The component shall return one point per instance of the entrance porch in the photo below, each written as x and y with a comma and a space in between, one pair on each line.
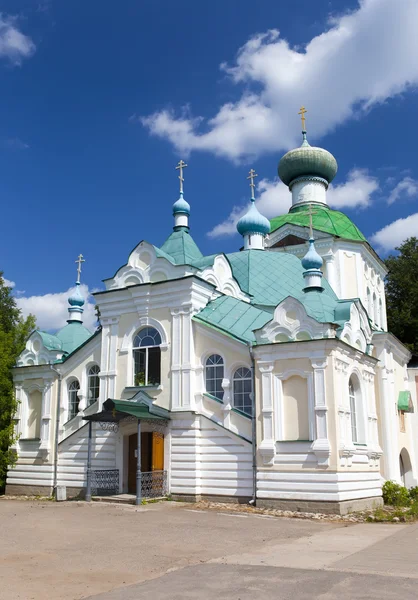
141, 439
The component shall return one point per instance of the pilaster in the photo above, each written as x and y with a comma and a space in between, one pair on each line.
267, 447
321, 446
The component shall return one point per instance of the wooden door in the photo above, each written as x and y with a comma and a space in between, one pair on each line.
133, 444
157, 451
145, 458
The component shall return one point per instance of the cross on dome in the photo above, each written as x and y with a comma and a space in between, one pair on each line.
311, 213
181, 165
302, 113
80, 261
252, 175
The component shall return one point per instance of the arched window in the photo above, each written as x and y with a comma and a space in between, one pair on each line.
353, 411
381, 314
369, 304
93, 383
242, 388
214, 374
375, 310
73, 399
147, 357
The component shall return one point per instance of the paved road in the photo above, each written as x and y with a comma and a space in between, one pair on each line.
168, 551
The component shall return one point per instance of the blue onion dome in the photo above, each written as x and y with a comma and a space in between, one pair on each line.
253, 222
307, 161
312, 260
181, 206
76, 299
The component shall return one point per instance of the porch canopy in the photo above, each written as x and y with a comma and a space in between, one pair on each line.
116, 410
113, 412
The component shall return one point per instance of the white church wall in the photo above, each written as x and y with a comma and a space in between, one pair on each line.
392, 379
207, 460
235, 355
317, 469
72, 458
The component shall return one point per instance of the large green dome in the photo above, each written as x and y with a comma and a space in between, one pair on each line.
307, 161
324, 219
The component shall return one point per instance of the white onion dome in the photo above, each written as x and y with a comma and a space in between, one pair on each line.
307, 161
253, 222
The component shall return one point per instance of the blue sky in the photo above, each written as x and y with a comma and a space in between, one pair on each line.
100, 100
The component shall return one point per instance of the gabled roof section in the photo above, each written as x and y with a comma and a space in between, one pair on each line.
182, 248
269, 277
72, 336
324, 219
234, 317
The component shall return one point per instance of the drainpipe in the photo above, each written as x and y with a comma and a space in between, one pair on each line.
57, 428
253, 427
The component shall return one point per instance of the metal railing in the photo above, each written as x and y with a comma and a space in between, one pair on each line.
105, 482
154, 484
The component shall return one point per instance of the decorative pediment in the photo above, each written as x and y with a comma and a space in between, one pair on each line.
291, 323
41, 349
220, 275
144, 266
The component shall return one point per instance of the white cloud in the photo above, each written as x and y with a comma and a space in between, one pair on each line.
356, 192
408, 187
9, 283
14, 45
51, 310
274, 199
395, 233
364, 58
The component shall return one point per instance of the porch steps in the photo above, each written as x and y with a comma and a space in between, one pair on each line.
123, 499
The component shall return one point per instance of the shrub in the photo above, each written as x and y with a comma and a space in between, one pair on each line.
413, 493
395, 494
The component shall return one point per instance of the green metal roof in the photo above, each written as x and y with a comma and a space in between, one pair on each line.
51, 342
115, 410
72, 336
405, 401
269, 277
234, 317
329, 221
182, 248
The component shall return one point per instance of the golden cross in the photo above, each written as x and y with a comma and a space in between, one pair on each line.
79, 260
182, 165
311, 213
252, 175
302, 116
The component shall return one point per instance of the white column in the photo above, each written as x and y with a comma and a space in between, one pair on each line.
388, 416
104, 362
46, 416
321, 446
112, 369
18, 416
187, 356
330, 272
176, 360
267, 446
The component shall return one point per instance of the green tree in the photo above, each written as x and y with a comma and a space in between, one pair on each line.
14, 331
402, 293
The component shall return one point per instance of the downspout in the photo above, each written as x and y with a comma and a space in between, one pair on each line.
57, 428
253, 427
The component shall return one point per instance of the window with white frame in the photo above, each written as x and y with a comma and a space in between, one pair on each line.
242, 390
214, 374
353, 411
93, 383
73, 399
147, 357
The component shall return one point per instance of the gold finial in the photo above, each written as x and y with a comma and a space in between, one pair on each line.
252, 175
181, 165
79, 260
302, 116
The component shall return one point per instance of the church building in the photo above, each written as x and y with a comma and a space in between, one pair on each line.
266, 375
